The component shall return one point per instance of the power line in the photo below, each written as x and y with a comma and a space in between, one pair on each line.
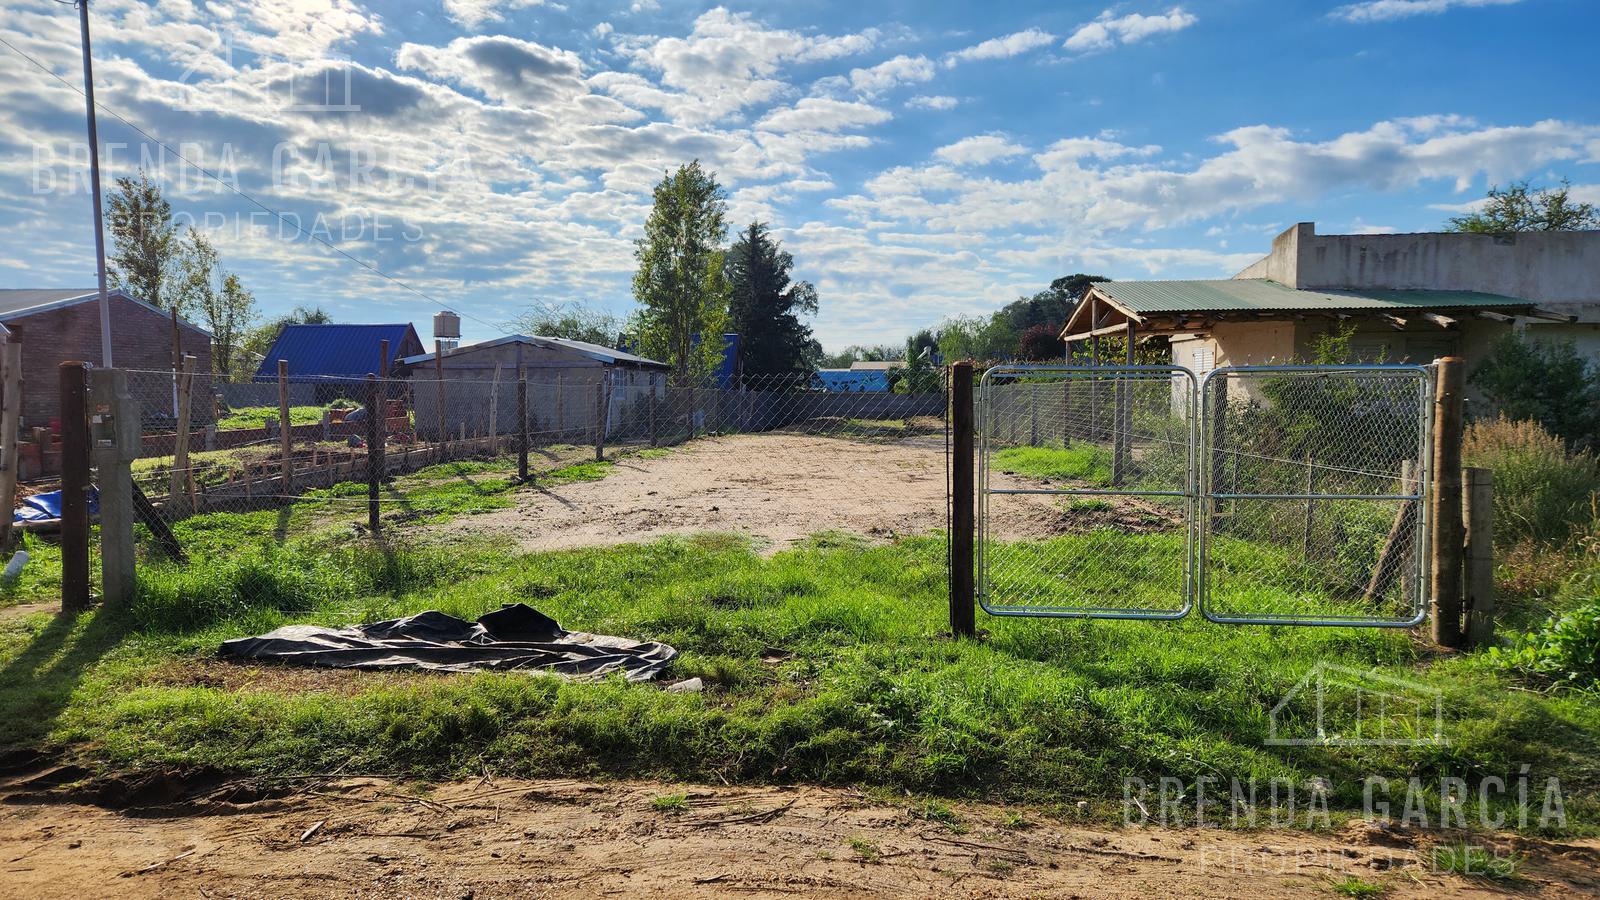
274, 213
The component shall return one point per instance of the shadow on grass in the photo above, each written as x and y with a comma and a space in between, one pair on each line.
37, 685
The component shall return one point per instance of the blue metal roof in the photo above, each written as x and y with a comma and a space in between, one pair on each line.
338, 351
853, 380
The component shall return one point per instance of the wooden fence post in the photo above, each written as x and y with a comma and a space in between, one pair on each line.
285, 435
1447, 528
10, 414
600, 411
651, 387
1477, 498
963, 523
494, 413
438, 373
178, 486
375, 462
74, 487
522, 423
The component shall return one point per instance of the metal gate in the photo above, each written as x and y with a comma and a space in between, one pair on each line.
1262, 494
1086, 487
1313, 479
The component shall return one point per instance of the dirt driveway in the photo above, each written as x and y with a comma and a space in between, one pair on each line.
492, 839
778, 488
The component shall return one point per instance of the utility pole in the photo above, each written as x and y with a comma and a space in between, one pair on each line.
94, 188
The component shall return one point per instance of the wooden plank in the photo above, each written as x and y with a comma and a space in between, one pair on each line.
1446, 502
1477, 498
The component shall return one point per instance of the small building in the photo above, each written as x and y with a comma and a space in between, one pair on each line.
1410, 298
60, 324
853, 380
332, 358
567, 383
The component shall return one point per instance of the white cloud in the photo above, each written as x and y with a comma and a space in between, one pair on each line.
1005, 47
1387, 10
472, 14
503, 68
1108, 30
822, 114
892, 72
979, 150
728, 62
936, 101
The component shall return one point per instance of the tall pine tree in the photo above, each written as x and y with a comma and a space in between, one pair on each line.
765, 308
145, 243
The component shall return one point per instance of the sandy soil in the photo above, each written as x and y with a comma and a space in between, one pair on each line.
491, 838
777, 488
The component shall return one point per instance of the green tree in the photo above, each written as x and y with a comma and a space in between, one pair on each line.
918, 375
680, 287
145, 243
765, 306
573, 321
228, 317
226, 313
1521, 208
1548, 382
259, 339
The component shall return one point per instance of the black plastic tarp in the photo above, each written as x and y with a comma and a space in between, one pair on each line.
513, 638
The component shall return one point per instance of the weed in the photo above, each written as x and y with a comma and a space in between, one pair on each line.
1353, 886
1000, 867
670, 803
1473, 861
864, 848
1088, 504
1016, 821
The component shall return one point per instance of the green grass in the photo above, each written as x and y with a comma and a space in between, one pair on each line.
1360, 889
1079, 462
1473, 861
868, 692
256, 416
670, 803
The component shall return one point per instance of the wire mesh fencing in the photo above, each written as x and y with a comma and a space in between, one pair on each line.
1313, 494
1085, 491
531, 458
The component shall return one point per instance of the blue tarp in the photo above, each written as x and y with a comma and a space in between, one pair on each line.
45, 507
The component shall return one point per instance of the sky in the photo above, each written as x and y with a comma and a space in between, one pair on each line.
920, 160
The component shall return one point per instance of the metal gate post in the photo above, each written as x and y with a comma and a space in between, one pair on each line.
963, 614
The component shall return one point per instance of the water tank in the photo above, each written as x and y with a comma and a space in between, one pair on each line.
447, 329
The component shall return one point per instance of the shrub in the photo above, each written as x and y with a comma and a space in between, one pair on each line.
1564, 651
1546, 382
1542, 492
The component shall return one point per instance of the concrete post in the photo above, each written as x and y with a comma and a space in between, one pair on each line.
115, 443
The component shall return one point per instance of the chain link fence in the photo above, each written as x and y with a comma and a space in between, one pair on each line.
1085, 491
1313, 501
613, 455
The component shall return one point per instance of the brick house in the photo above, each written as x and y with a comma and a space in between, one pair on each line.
60, 324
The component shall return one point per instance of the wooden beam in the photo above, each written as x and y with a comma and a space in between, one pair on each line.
1547, 315
1440, 320
1494, 316
1398, 323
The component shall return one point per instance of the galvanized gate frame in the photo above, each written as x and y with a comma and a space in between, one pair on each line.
1208, 495
1198, 494
984, 490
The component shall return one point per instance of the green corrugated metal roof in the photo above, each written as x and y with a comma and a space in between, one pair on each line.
1261, 294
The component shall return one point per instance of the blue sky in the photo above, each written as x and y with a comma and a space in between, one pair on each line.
920, 160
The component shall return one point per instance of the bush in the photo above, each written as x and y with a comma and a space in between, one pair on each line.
1542, 492
1565, 650
1546, 382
